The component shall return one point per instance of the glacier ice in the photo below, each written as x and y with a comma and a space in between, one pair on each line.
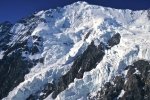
64, 31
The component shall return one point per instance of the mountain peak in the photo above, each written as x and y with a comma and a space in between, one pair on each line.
69, 52
80, 2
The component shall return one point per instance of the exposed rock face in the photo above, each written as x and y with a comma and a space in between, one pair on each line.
110, 91
15, 64
84, 63
12, 71
134, 86
5, 35
114, 40
50, 54
138, 84
148, 11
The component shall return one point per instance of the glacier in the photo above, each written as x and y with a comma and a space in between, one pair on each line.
67, 32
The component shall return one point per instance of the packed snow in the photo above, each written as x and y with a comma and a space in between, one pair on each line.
121, 94
63, 36
1, 54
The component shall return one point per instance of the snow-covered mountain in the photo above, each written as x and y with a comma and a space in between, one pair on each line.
77, 52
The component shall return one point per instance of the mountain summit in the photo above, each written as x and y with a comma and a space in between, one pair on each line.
78, 52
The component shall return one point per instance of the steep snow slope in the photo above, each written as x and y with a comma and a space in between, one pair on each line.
66, 33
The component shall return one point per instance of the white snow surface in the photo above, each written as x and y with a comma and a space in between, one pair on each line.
1, 54
121, 94
63, 36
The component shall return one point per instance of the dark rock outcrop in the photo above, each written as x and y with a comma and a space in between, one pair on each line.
110, 91
5, 35
148, 12
12, 71
136, 84
84, 63
15, 64
114, 40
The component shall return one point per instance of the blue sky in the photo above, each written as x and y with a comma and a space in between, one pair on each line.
13, 10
